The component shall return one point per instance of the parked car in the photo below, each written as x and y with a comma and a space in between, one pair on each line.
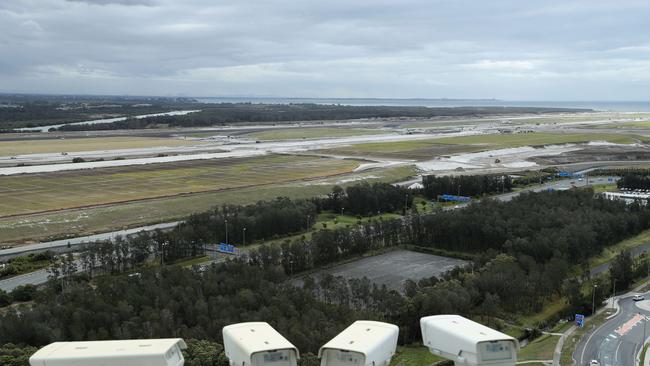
638, 297
594, 363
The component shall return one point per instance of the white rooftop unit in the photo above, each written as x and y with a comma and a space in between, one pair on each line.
416, 185
257, 344
467, 342
138, 352
364, 343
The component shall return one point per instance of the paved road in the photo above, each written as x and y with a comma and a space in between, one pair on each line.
554, 185
634, 252
62, 245
32, 278
616, 342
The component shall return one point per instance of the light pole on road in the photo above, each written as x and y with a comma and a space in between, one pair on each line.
593, 301
244, 237
226, 223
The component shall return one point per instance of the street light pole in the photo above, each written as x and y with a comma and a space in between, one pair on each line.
244, 236
162, 253
226, 223
593, 301
614, 294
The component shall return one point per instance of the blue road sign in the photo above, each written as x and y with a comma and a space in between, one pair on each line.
451, 197
580, 320
564, 174
226, 248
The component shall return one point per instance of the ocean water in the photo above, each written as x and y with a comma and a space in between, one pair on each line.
618, 106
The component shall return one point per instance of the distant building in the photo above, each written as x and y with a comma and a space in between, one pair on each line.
416, 186
628, 197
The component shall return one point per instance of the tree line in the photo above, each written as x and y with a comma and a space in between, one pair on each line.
523, 251
637, 180
17, 111
231, 113
264, 220
465, 185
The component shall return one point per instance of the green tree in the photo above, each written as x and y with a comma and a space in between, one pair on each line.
24, 293
621, 270
12, 355
204, 353
5, 298
309, 359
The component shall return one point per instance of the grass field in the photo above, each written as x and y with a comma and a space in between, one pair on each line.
416, 149
427, 149
550, 310
607, 187
536, 139
332, 221
541, 348
414, 355
640, 125
22, 194
10, 148
72, 223
310, 133
609, 253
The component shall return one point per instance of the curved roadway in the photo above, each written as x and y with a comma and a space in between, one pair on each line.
617, 341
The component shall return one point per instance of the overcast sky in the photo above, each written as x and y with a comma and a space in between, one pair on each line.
516, 49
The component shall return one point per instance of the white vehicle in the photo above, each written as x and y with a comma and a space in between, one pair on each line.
638, 297
466, 342
594, 363
364, 343
150, 352
257, 344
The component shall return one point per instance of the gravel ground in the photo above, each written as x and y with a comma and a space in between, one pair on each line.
394, 268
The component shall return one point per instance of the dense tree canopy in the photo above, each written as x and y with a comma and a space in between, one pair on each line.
637, 180
465, 185
526, 248
370, 199
230, 113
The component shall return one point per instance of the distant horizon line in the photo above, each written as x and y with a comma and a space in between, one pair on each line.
317, 98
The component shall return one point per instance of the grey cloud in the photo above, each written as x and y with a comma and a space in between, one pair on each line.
556, 49
120, 2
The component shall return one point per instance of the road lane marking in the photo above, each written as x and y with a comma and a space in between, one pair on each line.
625, 328
584, 348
